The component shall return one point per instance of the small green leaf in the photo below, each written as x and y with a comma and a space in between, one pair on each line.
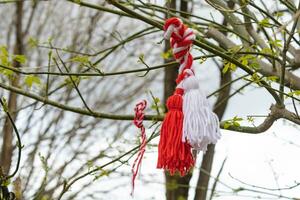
295, 92
278, 14
20, 59
6, 183
50, 39
5, 107
154, 107
202, 60
141, 56
250, 119
225, 69
90, 165
267, 51
30, 80
271, 79
237, 118
254, 65
32, 42
166, 55
7, 72
228, 66
236, 124
102, 173
80, 59
233, 122
255, 78
44, 162
156, 100
4, 56
3, 50
265, 23
226, 125
275, 43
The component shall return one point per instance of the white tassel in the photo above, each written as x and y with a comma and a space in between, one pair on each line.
200, 124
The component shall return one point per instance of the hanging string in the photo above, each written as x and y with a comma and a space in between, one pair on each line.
138, 122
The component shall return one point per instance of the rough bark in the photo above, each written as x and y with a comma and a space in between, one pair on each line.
7, 147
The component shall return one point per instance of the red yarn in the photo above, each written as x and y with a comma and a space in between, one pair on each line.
173, 154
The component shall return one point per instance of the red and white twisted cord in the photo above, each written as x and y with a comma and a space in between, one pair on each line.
138, 122
181, 39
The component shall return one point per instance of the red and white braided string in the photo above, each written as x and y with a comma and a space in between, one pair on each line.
138, 122
181, 39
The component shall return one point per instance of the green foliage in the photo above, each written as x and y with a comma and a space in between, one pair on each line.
4, 56
265, 23
80, 59
7, 59
271, 79
90, 164
20, 59
233, 122
102, 173
6, 182
247, 59
49, 40
250, 61
4, 106
44, 163
268, 51
30, 80
7, 72
166, 55
202, 60
250, 119
255, 78
275, 43
141, 56
278, 14
32, 42
156, 104
75, 79
228, 66
294, 93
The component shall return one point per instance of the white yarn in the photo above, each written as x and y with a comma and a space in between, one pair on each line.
200, 123
169, 32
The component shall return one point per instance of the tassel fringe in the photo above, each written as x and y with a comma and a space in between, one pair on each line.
173, 154
200, 124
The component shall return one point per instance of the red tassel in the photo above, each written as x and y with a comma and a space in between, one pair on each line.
173, 154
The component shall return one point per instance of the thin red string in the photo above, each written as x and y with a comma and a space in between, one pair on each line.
138, 122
